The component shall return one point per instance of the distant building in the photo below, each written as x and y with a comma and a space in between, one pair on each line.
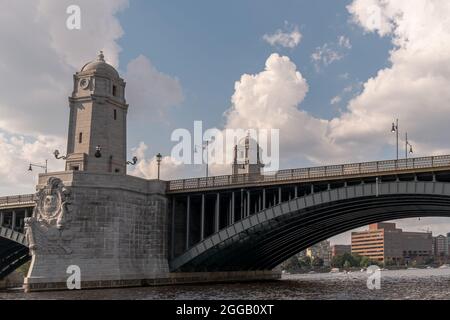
384, 242
321, 250
417, 246
448, 243
440, 246
340, 249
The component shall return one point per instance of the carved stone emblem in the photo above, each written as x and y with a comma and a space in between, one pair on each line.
48, 229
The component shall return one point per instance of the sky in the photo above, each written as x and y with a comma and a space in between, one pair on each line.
331, 75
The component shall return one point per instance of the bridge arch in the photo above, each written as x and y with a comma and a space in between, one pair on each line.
13, 251
265, 239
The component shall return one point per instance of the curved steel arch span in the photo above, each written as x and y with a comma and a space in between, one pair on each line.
265, 239
14, 251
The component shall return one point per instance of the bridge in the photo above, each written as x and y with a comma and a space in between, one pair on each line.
13, 244
255, 222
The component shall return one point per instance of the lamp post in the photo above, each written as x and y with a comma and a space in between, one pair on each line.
133, 161
407, 144
98, 152
58, 156
206, 146
158, 161
45, 167
395, 130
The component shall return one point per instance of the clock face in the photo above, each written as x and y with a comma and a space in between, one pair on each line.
84, 83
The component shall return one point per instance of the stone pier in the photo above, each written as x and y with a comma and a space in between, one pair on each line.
113, 227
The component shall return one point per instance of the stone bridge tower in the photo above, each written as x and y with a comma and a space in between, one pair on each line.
247, 159
98, 120
93, 215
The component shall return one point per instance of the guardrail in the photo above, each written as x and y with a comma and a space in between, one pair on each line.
21, 199
306, 174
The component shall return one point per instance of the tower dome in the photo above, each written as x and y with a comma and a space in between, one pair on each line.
100, 66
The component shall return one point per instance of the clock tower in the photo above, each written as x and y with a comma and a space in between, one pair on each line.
98, 120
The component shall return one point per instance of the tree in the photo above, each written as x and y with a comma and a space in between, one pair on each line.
365, 262
292, 264
305, 262
317, 262
347, 264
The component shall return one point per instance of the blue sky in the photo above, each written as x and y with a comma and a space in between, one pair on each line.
209, 45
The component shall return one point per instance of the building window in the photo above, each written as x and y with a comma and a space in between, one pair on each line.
114, 91
80, 138
115, 114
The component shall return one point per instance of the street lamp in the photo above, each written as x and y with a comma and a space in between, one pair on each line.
45, 167
395, 130
206, 146
98, 153
407, 144
133, 162
57, 155
158, 161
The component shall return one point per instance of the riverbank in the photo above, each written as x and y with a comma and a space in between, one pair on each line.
390, 268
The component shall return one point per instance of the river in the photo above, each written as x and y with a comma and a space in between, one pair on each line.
424, 284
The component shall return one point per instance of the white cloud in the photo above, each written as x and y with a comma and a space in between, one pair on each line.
331, 52
415, 87
42, 54
336, 100
17, 153
348, 92
288, 38
171, 169
344, 42
324, 56
270, 100
150, 92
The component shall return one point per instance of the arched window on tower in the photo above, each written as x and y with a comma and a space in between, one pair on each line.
114, 91
80, 137
115, 114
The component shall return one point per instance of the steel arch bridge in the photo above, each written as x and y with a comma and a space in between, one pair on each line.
13, 251
265, 239
13, 244
248, 223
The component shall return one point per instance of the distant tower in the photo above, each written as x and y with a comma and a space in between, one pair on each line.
98, 118
247, 157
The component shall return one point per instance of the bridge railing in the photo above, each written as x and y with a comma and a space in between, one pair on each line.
312, 173
20, 199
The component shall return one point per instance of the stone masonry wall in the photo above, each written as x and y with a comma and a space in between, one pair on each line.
117, 230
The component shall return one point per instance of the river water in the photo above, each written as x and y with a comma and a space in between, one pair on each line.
402, 284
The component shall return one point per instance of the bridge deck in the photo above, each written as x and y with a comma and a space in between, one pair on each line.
313, 174
287, 176
20, 201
